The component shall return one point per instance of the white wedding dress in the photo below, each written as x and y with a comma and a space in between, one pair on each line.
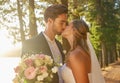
67, 75
94, 77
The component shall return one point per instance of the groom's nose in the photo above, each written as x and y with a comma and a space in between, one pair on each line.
65, 25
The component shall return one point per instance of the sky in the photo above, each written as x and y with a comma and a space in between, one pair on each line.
6, 43
7, 64
9, 55
6, 46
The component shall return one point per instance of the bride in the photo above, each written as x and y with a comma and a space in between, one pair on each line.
81, 62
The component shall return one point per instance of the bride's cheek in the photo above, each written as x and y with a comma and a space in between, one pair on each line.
63, 34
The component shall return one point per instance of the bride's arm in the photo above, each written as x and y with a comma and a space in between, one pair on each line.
77, 63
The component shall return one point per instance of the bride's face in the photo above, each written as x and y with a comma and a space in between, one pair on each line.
68, 32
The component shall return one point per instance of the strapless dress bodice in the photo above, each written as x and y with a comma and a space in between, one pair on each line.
67, 75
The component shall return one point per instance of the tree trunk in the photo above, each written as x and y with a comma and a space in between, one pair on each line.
118, 53
100, 58
32, 19
111, 58
65, 2
75, 3
104, 55
114, 51
20, 21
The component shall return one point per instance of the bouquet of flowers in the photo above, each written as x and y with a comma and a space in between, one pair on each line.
38, 68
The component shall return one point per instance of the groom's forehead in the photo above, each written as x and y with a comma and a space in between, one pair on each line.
61, 20
62, 16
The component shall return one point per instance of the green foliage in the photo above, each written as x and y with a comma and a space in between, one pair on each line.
104, 18
95, 36
51, 1
77, 9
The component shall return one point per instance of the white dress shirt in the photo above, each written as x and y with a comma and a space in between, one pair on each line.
57, 56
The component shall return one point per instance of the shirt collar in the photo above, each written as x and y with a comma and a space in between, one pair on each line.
48, 39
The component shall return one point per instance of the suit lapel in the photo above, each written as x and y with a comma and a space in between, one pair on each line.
61, 50
44, 45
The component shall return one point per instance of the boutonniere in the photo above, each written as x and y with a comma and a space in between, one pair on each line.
64, 51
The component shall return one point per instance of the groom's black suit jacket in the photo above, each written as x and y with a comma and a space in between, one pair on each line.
38, 44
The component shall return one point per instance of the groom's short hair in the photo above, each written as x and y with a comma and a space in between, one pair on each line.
54, 10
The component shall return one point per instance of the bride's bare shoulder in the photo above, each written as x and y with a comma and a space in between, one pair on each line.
74, 54
77, 54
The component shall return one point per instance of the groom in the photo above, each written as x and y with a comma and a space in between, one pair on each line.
55, 17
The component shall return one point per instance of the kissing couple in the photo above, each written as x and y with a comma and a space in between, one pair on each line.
80, 64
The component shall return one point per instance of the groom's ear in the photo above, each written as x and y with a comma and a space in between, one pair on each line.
50, 20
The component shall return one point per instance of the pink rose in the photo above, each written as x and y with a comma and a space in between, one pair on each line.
30, 73
29, 62
41, 56
43, 69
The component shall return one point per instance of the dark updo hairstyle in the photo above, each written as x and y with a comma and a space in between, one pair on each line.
80, 34
54, 10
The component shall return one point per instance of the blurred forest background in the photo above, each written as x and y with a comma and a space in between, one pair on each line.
23, 19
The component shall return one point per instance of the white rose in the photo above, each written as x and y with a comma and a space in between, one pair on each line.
64, 51
51, 75
61, 64
39, 78
45, 75
55, 69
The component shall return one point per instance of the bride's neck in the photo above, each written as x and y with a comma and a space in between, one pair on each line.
70, 40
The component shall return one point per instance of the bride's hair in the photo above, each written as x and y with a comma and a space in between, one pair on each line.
80, 34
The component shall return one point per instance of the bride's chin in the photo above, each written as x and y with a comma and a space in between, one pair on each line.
64, 35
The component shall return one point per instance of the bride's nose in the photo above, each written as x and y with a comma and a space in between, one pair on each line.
67, 27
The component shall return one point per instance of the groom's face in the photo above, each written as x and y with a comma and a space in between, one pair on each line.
59, 24
68, 32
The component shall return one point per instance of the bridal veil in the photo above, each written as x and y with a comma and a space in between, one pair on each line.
96, 73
